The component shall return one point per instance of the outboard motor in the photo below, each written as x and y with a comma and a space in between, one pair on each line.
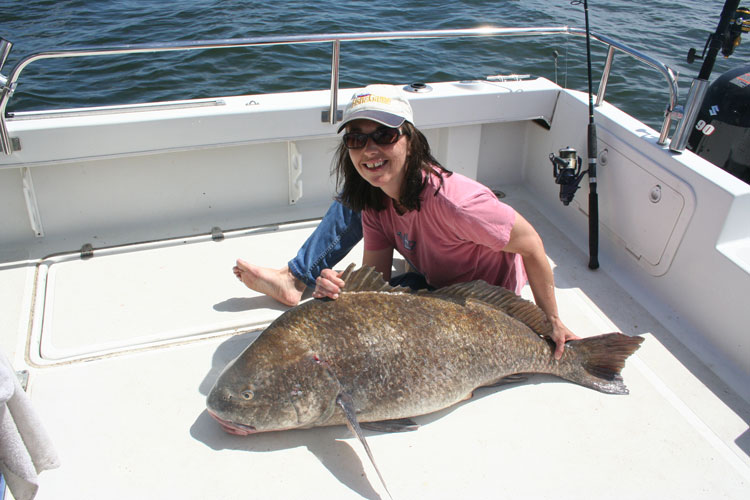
722, 130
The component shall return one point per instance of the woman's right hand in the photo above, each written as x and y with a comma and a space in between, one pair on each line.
328, 284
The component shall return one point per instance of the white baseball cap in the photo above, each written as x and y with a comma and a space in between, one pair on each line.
385, 104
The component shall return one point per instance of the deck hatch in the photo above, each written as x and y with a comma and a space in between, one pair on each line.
630, 188
156, 293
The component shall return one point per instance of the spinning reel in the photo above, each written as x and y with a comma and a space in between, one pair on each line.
566, 167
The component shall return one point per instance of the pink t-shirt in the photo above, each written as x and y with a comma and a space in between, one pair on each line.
458, 235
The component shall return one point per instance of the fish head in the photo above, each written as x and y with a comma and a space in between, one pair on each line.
270, 389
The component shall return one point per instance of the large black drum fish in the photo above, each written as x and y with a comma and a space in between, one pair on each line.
380, 354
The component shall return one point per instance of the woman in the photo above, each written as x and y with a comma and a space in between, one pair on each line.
450, 228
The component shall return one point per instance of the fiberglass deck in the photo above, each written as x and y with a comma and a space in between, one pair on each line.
132, 340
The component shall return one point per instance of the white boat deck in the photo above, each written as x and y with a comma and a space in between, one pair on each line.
133, 339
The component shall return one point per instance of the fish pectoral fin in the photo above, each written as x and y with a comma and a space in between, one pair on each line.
344, 400
396, 425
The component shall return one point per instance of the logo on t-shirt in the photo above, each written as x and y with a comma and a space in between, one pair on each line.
408, 244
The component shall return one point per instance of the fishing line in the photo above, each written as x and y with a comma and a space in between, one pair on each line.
565, 81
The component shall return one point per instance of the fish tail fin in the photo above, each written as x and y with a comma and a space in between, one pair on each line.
599, 361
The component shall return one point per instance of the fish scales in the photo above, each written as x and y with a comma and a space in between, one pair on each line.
414, 355
398, 354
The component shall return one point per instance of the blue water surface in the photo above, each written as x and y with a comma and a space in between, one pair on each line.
660, 29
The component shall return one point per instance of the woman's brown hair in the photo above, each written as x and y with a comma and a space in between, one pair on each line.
358, 194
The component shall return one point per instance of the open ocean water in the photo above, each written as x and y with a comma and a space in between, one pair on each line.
663, 30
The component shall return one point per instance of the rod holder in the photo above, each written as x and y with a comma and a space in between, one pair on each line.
605, 76
695, 97
5, 47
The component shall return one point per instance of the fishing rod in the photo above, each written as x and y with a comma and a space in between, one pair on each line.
734, 21
726, 37
593, 195
567, 166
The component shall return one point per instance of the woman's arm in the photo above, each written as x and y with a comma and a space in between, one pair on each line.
525, 241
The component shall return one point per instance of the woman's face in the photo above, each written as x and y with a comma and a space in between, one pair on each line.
383, 166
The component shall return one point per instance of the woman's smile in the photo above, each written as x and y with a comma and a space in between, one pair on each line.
375, 165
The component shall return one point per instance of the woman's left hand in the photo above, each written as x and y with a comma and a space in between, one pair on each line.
328, 284
561, 334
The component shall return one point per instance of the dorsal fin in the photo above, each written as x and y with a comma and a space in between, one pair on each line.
502, 299
367, 279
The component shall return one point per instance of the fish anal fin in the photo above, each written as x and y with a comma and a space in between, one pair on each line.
397, 425
509, 379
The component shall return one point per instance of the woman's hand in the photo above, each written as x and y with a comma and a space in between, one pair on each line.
328, 284
561, 334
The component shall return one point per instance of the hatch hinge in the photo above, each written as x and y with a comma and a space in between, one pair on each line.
87, 251
217, 234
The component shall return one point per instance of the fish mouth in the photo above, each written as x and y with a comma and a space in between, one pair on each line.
233, 427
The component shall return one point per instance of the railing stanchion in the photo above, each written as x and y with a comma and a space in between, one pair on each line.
605, 76
332, 118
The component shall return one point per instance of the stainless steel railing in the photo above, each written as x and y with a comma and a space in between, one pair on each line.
7, 85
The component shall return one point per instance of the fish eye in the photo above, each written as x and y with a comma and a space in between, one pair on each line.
247, 394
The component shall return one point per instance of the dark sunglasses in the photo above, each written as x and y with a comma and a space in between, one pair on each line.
382, 136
